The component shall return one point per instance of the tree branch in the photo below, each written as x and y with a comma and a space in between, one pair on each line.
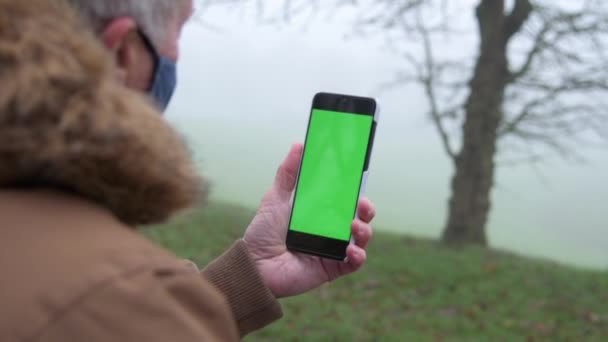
517, 18
556, 28
549, 94
428, 83
537, 47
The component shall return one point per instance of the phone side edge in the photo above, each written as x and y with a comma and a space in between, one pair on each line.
363, 187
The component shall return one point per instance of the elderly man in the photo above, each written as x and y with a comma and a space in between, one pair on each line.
85, 158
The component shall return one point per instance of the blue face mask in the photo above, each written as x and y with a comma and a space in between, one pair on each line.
165, 81
165, 77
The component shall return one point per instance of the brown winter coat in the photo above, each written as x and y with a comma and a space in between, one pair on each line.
83, 160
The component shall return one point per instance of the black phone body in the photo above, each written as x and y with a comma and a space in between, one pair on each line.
333, 174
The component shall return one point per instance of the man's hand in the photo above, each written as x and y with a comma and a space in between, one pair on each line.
287, 273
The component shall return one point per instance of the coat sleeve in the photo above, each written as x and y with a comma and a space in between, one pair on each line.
251, 302
149, 304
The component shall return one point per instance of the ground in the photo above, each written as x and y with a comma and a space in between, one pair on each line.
418, 290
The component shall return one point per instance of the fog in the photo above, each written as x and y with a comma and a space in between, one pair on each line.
244, 96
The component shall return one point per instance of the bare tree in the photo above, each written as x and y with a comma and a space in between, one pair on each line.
536, 83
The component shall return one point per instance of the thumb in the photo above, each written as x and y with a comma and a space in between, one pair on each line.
285, 180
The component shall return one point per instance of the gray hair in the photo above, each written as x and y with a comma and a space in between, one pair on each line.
152, 16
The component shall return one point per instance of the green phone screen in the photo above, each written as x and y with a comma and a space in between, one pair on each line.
330, 175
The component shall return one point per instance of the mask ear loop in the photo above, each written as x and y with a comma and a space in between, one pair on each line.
152, 49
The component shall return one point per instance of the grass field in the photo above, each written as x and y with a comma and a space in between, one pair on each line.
416, 290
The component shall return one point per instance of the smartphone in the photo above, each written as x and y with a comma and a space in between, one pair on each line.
333, 174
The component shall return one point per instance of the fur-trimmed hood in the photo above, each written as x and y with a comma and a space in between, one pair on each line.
66, 122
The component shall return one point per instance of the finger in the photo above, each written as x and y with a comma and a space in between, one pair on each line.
356, 257
366, 210
363, 233
285, 179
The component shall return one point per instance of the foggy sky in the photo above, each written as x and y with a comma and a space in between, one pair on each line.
244, 96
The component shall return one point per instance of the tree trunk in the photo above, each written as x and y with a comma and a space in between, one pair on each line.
472, 183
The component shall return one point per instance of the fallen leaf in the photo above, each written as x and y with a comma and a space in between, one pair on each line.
490, 267
593, 317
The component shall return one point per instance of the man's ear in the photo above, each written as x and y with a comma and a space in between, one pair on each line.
116, 37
